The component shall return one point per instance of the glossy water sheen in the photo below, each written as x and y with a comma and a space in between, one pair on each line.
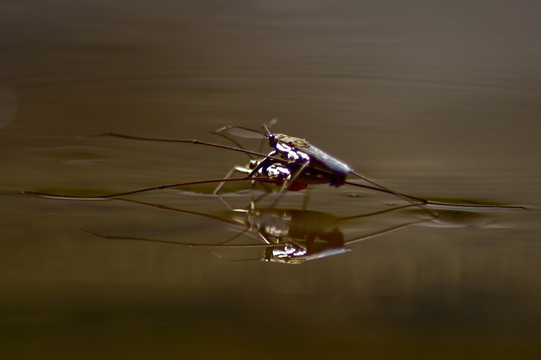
432, 100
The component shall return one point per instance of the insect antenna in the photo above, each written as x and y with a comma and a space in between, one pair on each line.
271, 124
243, 132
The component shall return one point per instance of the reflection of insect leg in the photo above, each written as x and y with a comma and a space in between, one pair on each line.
242, 229
261, 228
243, 170
306, 198
384, 231
240, 169
172, 242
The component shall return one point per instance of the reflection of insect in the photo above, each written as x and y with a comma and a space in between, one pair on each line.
293, 236
288, 236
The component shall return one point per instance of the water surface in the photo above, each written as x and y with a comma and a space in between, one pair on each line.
437, 101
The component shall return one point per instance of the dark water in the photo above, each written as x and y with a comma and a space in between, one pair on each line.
438, 101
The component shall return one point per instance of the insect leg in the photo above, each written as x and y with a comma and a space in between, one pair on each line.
183, 211
240, 169
223, 258
153, 188
288, 182
379, 212
172, 242
306, 198
417, 202
428, 202
190, 212
385, 231
222, 134
234, 169
188, 141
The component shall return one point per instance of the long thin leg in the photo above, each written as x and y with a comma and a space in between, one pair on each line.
286, 184
249, 213
221, 132
305, 200
376, 213
403, 197
440, 203
189, 212
223, 258
385, 231
192, 141
240, 169
243, 170
172, 242
160, 187
217, 132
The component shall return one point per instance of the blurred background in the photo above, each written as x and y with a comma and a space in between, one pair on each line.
439, 100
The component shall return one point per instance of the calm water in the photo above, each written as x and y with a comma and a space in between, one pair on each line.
437, 101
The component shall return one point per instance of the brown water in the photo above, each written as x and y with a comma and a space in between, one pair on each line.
438, 101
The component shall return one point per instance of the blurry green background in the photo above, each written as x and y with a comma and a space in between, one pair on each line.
435, 99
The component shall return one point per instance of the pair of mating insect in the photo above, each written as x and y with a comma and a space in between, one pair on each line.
292, 164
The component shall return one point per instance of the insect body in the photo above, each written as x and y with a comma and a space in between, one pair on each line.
293, 163
317, 166
304, 164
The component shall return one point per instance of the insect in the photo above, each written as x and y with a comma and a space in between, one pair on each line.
301, 164
288, 236
292, 164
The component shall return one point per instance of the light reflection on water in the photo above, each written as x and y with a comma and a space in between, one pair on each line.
434, 101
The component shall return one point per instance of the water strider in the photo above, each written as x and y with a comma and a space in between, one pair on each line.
292, 164
288, 236
291, 235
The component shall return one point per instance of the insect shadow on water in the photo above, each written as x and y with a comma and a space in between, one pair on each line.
289, 236
292, 164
